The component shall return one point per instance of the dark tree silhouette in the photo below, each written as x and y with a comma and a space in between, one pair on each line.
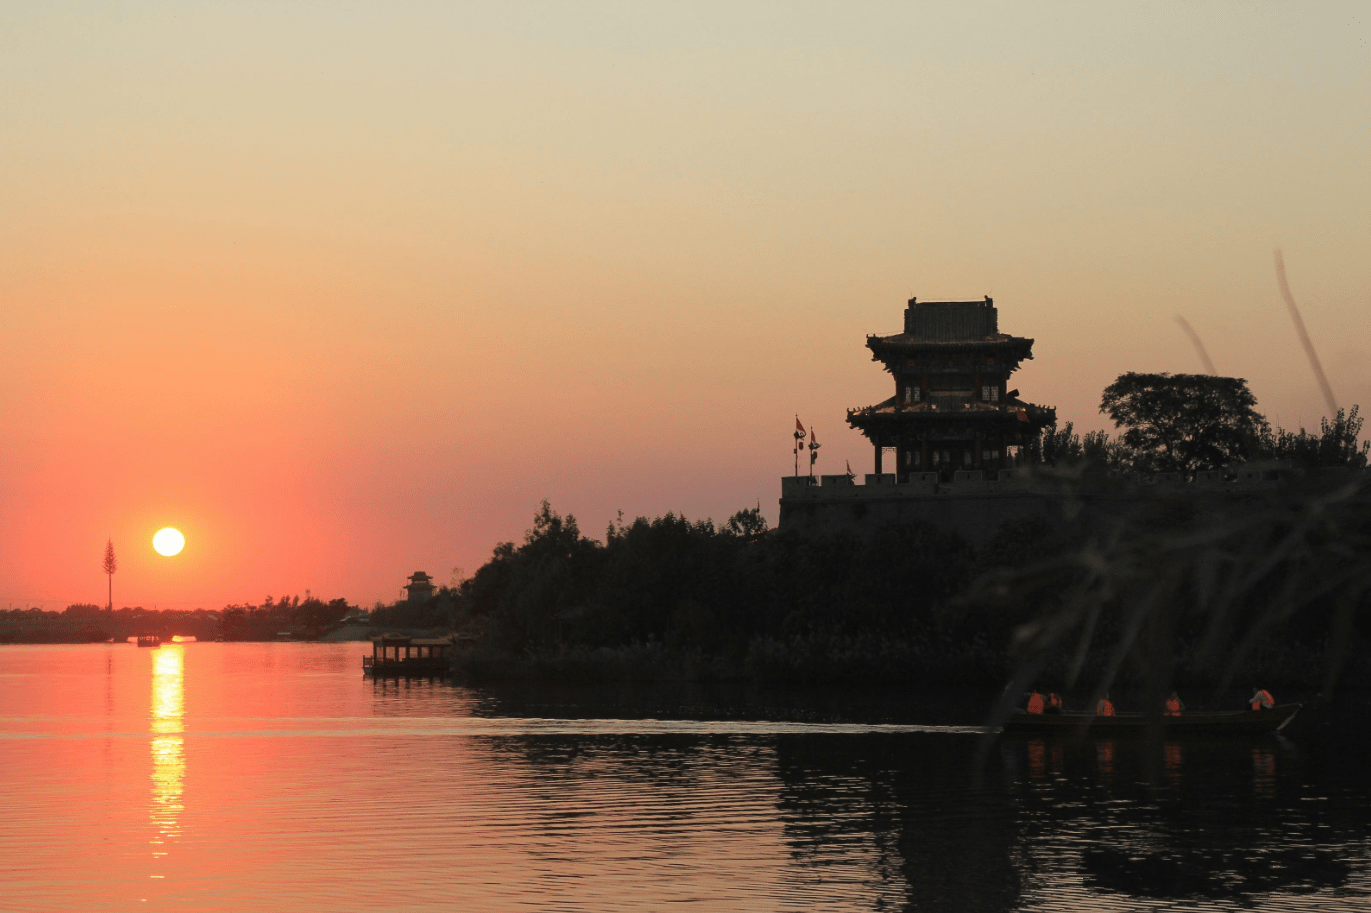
111, 565
1185, 422
1338, 443
1064, 447
747, 523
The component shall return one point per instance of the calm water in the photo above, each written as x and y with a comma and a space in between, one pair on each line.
273, 776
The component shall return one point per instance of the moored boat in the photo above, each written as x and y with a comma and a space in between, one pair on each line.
1229, 722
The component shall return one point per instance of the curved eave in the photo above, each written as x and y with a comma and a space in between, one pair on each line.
904, 345
884, 415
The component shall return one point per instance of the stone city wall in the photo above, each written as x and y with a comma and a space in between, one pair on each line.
977, 504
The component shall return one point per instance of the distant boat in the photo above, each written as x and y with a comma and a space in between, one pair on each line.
1228, 722
149, 640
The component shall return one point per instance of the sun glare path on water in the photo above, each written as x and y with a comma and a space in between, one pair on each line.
168, 542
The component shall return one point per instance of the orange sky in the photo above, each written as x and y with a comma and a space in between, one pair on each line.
342, 291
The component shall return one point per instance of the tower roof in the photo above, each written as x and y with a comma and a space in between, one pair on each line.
955, 359
950, 325
951, 321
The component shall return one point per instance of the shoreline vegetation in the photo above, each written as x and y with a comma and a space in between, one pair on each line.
1189, 592
675, 600
672, 599
1193, 591
903, 606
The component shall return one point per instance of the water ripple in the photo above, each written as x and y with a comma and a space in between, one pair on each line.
18, 727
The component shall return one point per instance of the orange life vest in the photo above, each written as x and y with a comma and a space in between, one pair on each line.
1173, 706
1104, 708
1263, 699
1054, 702
1035, 703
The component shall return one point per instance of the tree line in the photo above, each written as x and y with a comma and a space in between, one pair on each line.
738, 598
908, 602
1189, 423
303, 619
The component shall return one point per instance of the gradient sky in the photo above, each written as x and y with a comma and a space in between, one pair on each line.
342, 290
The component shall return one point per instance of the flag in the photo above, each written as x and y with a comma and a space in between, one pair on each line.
799, 428
850, 473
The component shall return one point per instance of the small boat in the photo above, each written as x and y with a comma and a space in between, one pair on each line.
1227, 722
149, 640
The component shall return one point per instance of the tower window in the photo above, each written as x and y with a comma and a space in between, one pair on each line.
990, 393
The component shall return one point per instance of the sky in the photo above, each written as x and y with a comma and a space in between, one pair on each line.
344, 290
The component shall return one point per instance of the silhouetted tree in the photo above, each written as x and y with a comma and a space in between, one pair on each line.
698, 589
111, 565
747, 523
1063, 447
1185, 422
1336, 444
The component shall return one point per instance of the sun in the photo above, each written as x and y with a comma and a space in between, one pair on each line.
168, 542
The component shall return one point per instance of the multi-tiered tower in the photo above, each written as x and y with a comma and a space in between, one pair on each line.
952, 409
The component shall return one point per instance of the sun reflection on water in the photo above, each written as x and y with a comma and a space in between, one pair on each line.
168, 747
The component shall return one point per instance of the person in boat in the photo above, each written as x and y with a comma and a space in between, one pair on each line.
1262, 700
1054, 703
1174, 705
1105, 707
1036, 703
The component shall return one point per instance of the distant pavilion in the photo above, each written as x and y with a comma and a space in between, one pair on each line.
420, 587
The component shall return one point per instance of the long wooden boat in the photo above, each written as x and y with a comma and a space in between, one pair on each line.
1230, 722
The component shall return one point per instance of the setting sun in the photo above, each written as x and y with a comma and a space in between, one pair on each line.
168, 542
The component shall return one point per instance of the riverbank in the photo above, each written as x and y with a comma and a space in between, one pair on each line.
872, 661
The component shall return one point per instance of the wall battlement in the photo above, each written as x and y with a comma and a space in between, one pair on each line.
976, 504
924, 484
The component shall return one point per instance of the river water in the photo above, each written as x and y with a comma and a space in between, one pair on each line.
275, 777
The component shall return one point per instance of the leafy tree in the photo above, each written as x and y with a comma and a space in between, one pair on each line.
1336, 444
317, 617
530, 589
1063, 447
1185, 422
701, 590
746, 523
1055, 446
234, 623
111, 565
